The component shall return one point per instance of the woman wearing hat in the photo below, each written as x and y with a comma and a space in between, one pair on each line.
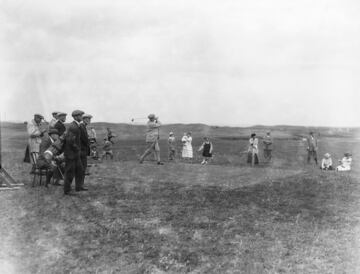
152, 139
345, 163
187, 151
253, 150
326, 163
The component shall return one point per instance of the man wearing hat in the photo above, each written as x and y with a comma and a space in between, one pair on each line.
72, 151
43, 162
35, 130
54, 119
152, 139
312, 147
267, 141
85, 143
60, 124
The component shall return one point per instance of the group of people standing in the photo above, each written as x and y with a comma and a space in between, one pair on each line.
152, 141
62, 151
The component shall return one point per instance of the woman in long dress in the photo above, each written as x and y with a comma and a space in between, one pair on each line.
187, 151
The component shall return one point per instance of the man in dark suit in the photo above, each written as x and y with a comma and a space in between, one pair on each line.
85, 144
312, 147
72, 152
59, 125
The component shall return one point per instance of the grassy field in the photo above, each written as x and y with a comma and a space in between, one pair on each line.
283, 217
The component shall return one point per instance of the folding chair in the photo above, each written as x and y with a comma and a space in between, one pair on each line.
38, 172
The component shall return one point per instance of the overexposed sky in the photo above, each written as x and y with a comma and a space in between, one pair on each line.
229, 62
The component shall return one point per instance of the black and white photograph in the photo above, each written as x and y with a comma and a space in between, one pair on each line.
157, 136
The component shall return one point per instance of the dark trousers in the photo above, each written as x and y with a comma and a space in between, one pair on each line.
312, 154
83, 159
73, 168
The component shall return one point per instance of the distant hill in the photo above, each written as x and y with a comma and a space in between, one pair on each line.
137, 131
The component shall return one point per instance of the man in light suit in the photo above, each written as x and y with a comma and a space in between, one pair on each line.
36, 131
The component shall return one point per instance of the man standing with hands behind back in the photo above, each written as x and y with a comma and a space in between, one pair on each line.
72, 152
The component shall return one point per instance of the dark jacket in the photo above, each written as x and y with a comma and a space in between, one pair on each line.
45, 144
84, 139
72, 146
60, 127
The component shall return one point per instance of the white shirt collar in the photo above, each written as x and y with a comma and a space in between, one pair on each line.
78, 123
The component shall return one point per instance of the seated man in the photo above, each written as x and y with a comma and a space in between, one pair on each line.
50, 145
345, 163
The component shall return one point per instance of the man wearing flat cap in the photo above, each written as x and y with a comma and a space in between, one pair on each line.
312, 147
85, 144
36, 131
72, 152
54, 119
43, 162
60, 124
152, 139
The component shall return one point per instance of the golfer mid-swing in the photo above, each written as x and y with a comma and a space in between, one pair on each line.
152, 139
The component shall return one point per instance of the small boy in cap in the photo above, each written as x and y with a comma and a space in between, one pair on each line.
171, 146
326, 162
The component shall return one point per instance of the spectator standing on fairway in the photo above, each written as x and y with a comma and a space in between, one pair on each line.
207, 149
60, 124
312, 147
72, 150
85, 144
107, 149
253, 150
187, 151
36, 131
54, 119
268, 142
326, 163
345, 163
152, 139
171, 146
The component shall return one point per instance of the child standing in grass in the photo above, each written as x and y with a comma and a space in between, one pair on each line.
207, 149
171, 146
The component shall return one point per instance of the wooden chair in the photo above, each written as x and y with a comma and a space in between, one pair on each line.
38, 173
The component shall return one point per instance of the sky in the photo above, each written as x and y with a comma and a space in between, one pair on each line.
229, 62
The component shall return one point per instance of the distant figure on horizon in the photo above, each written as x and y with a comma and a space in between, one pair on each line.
268, 141
253, 150
152, 139
207, 149
187, 150
326, 163
312, 147
171, 146
345, 163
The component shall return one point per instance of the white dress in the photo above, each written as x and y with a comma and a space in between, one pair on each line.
187, 151
345, 164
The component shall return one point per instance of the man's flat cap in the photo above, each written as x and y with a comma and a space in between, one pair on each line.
77, 112
61, 114
39, 115
87, 116
55, 112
